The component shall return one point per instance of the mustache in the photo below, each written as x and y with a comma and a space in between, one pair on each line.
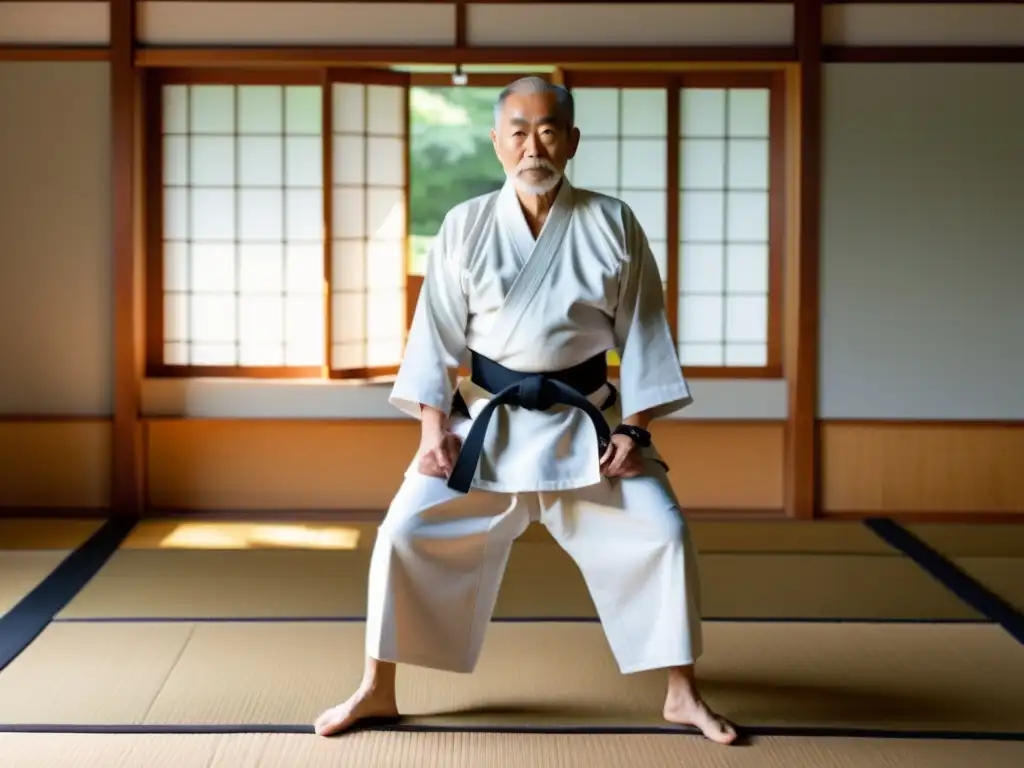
537, 165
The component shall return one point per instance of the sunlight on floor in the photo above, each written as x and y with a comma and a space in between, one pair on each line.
252, 536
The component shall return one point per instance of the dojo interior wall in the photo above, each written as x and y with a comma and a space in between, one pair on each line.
920, 404
56, 288
922, 266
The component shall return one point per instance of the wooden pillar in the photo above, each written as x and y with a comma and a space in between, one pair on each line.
801, 354
127, 470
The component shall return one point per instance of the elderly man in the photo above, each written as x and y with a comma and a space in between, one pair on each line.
535, 283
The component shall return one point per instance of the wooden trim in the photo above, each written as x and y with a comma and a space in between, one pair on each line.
673, 183
171, 57
154, 255
886, 2
327, 153
924, 54
778, 218
53, 418
613, 78
461, 24
473, 79
128, 471
496, 2
917, 423
53, 53
239, 76
729, 372
982, 516
364, 374
801, 483
160, 371
409, 309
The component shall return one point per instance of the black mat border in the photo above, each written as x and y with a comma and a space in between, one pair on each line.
23, 623
501, 620
743, 731
948, 574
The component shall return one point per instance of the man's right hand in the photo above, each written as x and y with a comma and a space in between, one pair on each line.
439, 448
438, 453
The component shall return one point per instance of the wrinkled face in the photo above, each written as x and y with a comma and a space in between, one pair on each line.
532, 142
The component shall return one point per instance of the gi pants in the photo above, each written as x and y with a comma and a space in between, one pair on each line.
440, 556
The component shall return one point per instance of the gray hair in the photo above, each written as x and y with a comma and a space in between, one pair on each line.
566, 105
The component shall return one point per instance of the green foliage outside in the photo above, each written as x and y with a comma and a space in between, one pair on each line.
451, 158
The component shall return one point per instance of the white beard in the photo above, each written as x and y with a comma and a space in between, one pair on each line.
535, 189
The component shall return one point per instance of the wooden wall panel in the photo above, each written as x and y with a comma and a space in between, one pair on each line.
296, 23
940, 467
55, 463
619, 24
923, 24
196, 464
54, 23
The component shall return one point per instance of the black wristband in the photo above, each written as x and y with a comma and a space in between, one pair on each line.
638, 435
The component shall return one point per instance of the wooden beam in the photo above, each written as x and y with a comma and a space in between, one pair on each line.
307, 56
127, 493
801, 353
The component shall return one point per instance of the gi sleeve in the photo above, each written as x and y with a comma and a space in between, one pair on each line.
437, 337
650, 375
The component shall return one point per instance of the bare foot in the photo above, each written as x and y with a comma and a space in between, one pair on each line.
364, 703
698, 714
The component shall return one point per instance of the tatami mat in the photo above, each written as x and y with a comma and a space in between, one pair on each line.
1003, 576
21, 571
45, 533
972, 539
494, 750
891, 676
541, 581
709, 536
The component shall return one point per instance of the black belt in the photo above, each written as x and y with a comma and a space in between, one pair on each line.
535, 392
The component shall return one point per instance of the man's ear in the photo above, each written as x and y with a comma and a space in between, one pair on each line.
574, 142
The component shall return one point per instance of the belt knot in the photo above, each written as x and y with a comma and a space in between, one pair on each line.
536, 393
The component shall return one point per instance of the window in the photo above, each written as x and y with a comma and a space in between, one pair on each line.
242, 228
368, 260
291, 211
724, 234
624, 153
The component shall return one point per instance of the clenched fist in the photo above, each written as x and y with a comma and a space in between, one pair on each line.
623, 458
437, 453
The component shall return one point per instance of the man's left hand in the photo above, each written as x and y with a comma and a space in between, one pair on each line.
623, 458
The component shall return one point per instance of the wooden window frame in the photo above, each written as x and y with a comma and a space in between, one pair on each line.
672, 81
325, 78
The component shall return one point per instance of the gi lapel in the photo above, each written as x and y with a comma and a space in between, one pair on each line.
536, 257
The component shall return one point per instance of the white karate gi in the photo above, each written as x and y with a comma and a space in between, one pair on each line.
587, 284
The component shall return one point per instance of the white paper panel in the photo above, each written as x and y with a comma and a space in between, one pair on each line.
31, 23
724, 235
295, 23
924, 24
369, 250
243, 225
622, 153
558, 24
